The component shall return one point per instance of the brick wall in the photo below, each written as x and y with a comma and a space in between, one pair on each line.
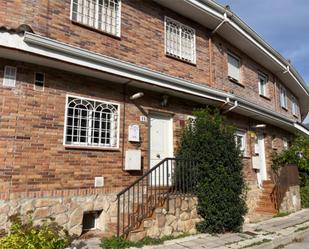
142, 43
33, 158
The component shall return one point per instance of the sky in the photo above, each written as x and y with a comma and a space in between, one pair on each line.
284, 24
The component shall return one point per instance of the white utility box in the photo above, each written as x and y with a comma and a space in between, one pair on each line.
256, 162
133, 160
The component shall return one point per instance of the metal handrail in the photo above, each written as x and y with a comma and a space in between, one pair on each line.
139, 200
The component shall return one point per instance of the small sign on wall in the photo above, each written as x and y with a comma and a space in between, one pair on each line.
143, 119
133, 133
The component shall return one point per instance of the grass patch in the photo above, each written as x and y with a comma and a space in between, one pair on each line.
301, 229
281, 214
257, 243
121, 243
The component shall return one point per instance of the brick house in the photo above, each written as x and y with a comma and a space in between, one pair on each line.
90, 86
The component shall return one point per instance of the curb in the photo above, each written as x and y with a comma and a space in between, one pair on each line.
283, 240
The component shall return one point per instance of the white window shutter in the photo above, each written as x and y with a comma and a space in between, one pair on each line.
233, 67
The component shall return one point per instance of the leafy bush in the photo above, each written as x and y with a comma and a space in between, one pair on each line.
297, 154
220, 186
24, 235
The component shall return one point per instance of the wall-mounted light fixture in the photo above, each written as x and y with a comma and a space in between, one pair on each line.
259, 126
136, 96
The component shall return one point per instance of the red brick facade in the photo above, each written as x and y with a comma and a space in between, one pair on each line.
33, 157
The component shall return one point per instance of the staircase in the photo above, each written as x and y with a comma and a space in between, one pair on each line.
137, 202
266, 207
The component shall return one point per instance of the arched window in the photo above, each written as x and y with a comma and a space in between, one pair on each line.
91, 123
105, 127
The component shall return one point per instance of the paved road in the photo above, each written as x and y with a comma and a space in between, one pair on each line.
299, 245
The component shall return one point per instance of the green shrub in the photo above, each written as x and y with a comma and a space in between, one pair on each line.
297, 154
220, 187
304, 194
24, 235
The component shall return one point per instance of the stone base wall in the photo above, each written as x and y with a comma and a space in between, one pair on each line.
67, 211
291, 201
180, 217
253, 195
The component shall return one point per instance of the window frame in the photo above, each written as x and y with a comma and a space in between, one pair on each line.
34, 82
263, 77
234, 56
295, 107
85, 145
283, 104
285, 143
9, 78
243, 134
179, 57
118, 31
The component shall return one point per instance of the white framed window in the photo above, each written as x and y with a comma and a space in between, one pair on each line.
285, 143
191, 120
104, 15
295, 107
233, 66
91, 123
9, 78
241, 141
179, 40
39, 81
263, 85
283, 97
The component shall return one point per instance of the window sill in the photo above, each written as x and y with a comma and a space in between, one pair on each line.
295, 116
284, 108
181, 60
246, 157
265, 97
81, 147
96, 30
235, 81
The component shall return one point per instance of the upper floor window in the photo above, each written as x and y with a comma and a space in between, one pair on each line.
294, 106
283, 98
39, 81
9, 78
233, 67
263, 86
91, 123
103, 15
179, 40
240, 139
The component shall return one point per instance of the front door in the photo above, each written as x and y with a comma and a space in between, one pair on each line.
160, 145
260, 152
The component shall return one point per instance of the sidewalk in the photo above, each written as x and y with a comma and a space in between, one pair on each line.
267, 235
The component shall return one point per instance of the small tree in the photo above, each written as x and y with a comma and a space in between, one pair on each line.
297, 154
220, 187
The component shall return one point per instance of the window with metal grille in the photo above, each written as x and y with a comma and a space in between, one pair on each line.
9, 78
103, 15
91, 123
233, 67
179, 40
283, 98
263, 85
240, 140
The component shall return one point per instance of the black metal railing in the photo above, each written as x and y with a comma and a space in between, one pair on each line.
139, 200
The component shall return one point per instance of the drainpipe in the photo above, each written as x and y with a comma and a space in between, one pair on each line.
225, 102
232, 107
225, 19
